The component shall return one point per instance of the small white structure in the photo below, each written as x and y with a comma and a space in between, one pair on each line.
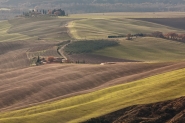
102, 64
36, 8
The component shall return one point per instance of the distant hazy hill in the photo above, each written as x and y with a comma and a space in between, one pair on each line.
95, 1
87, 6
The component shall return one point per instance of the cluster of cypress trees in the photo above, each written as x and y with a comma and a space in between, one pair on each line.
58, 12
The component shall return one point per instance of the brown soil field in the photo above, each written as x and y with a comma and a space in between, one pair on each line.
34, 85
13, 60
95, 59
172, 111
40, 47
13, 55
48, 51
172, 22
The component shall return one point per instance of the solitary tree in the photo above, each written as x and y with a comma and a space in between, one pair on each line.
129, 36
38, 61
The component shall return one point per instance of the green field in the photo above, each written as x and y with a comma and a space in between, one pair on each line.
82, 26
47, 28
146, 49
80, 108
102, 28
88, 46
5, 36
44, 28
82, 30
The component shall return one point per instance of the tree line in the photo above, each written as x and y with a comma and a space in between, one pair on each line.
56, 12
158, 34
171, 35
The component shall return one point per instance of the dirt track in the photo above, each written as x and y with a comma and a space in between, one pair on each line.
34, 85
62, 51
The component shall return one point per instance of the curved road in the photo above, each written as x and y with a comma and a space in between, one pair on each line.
61, 50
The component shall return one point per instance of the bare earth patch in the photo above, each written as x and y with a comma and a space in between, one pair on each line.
172, 111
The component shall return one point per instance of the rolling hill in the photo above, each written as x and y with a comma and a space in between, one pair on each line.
167, 111
46, 28
146, 49
149, 90
102, 27
69, 80
4, 25
145, 70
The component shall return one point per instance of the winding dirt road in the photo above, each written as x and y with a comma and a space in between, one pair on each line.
62, 52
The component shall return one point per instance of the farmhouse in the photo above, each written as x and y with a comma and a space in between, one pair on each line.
52, 59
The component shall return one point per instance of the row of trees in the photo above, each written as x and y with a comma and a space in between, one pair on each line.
172, 35
57, 12
128, 36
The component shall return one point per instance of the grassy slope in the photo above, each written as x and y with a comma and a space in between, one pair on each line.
57, 81
54, 29
101, 28
42, 27
4, 36
83, 107
85, 27
47, 28
146, 49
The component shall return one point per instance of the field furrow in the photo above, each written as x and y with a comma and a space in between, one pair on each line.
149, 90
35, 85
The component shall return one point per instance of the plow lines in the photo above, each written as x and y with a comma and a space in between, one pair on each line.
82, 107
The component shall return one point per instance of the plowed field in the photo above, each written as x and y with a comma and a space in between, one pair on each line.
30, 86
